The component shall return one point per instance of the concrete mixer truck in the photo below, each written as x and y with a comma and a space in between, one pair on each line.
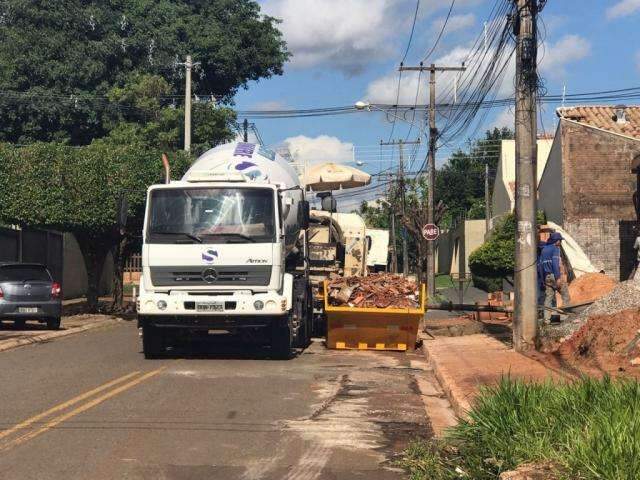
223, 250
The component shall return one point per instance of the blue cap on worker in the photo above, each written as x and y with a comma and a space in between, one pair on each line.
555, 237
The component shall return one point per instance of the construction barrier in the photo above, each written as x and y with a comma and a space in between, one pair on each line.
373, 328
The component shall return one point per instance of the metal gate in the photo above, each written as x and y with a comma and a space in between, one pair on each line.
33, 246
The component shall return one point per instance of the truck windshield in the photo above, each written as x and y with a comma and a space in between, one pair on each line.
216, 215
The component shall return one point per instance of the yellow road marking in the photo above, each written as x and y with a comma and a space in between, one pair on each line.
82, 408
66, 404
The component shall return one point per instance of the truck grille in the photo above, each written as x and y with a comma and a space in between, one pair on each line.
250, 275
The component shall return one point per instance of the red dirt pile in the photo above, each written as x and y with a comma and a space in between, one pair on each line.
606, 343
378, 290
590, 287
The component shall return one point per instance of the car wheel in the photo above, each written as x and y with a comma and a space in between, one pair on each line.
20, 324
53, 323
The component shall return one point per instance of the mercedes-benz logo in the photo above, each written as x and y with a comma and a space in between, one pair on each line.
209, 275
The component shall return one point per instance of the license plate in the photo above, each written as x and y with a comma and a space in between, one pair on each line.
28, 309
210, 307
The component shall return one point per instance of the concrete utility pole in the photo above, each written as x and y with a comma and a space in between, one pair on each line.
433, 139
487, 201
189, 64
526, 308
392, 247
403, 202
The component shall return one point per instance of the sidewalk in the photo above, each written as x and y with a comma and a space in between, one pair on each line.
463, 364
38, 333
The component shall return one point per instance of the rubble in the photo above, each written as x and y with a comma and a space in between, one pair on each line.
378, 290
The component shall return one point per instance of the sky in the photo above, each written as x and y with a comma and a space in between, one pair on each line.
349, 50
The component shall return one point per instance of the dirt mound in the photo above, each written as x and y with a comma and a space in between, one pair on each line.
590, 287
608, 343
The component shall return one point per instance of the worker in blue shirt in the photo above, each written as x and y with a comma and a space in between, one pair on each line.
550, 274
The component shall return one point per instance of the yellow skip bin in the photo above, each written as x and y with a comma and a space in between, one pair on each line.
373, 328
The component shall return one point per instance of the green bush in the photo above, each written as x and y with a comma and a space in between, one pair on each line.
494, 260
588, 429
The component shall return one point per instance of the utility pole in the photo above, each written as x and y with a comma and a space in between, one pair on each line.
245, 131
431, 163
189, 64
487, 201
526, 308
403, 202
392, 248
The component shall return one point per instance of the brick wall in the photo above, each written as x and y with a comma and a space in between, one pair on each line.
608, 243
598, 196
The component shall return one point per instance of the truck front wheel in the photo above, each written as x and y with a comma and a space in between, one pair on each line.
152, 341
281, 339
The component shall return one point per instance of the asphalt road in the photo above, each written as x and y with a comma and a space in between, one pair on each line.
89, 406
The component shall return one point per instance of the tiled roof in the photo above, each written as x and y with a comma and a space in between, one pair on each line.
604, 117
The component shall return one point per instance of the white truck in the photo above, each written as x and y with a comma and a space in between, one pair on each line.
222, 250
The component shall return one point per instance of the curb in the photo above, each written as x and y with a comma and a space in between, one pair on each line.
19, 342
456, 398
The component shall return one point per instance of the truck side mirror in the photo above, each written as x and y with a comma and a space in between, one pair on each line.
303, 214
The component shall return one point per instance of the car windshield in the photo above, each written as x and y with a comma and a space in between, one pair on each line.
23, 273
231, 215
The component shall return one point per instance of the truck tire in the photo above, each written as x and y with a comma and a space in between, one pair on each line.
281, 339
152, 342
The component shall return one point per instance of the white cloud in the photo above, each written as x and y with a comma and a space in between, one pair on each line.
322, 148
455, 23
349, 35
622, 8
555, 57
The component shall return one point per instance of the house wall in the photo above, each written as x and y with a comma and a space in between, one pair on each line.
74, 281
598, 186
550, 195
455, 246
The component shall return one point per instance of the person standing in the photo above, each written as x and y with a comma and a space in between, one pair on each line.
549, 269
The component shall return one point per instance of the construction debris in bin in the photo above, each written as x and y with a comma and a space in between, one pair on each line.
378, 290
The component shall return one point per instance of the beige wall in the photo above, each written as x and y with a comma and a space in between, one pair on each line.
550, 198
455, 246
74, 281
503, 199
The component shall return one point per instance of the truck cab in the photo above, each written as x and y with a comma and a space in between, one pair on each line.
220, 251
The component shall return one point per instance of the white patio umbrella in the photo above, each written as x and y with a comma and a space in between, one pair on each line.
334, 176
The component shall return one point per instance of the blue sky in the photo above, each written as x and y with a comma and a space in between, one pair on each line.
347, 50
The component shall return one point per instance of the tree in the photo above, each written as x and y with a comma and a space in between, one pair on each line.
159, 126
63, 60
77, 189
460, 182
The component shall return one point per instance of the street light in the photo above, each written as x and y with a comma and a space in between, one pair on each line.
367, 106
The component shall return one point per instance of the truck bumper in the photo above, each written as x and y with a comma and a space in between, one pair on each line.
187, 306
209, 322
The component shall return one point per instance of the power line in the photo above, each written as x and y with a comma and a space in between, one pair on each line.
444, 26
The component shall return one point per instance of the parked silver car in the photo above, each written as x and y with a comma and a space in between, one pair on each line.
27, 292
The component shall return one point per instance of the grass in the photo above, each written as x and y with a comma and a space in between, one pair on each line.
444, 281
589, 429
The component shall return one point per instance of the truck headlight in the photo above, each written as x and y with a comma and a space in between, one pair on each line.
258, 304
162, 305
270, 305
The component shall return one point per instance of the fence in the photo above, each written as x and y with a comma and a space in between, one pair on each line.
33, 246
132, 269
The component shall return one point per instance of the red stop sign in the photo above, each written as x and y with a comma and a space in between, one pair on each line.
431, 232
